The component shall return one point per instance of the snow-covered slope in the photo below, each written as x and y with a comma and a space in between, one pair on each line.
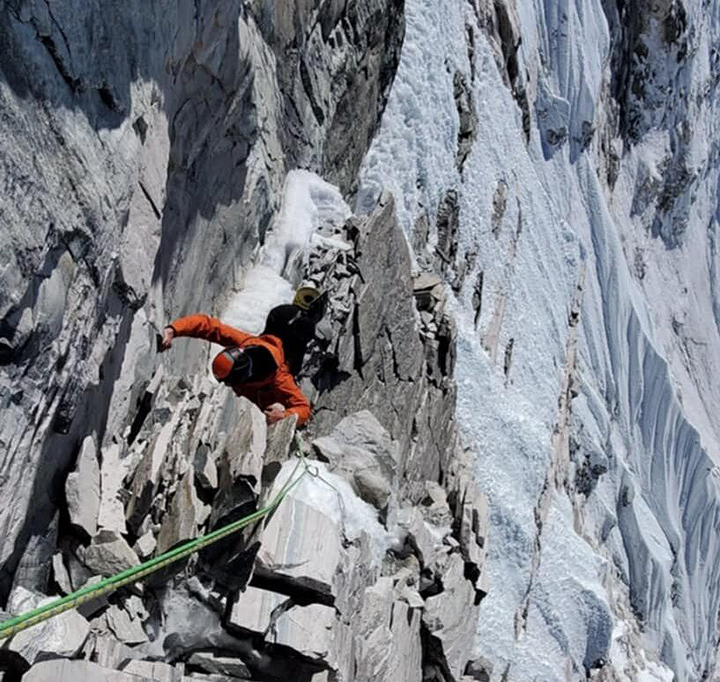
583, 256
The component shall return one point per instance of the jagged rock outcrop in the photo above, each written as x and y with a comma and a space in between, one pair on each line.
127, 161
323, 587
409, 391
361, 451
163, 166
80, 671
82, 489
62, 637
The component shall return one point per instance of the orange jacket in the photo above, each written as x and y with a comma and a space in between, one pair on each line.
279, 387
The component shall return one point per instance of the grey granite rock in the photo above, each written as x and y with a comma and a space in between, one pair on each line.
63, 670
240, 464
446, 616
193, 616
373, 632
96, 604
467, 131
376, 377
319, 91
113, 469
421, 537
154, 670
33, 570
145, 545
205, 470
62, 635
107, 554
82, 489
126, 629
473, 529
358, 570
180, 521
146, 477
434, 505
428, 291
79, 573
433, 448
154, 151
388, 643
280, 446
301, 546
309, 630
102, 648
361, 450
254, 608
239, 461
135, 606
204, 511
220, 665
406, 656
125, 622
381, 360
61, 574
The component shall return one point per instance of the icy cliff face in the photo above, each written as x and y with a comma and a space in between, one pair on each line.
579, 234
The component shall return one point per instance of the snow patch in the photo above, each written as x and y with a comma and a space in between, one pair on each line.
308, 203
624, 659
334, 497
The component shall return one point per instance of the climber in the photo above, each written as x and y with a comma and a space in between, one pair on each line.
253, 366
294, 324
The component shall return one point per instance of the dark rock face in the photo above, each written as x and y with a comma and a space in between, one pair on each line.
147, 149
149, 146
379, 360
332, 55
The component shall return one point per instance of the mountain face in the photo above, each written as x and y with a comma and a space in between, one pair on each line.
563, 158
138, 142
510, 471
150, 159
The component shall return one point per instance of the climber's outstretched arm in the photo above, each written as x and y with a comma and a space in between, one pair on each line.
202, 327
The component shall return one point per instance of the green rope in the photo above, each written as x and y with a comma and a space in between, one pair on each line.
131, 575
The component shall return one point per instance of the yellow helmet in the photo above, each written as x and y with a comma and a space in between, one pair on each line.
305, 297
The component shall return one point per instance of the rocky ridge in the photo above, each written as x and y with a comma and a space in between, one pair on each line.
310, 592
149, 149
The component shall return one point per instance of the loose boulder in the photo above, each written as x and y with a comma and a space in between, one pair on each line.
60, 636
107, 554
360, 450
82, 489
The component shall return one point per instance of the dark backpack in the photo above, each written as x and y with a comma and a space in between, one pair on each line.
295, 327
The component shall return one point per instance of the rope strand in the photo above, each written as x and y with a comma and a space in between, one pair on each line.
131, 575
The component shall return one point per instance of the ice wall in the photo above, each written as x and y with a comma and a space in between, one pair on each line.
583, 257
